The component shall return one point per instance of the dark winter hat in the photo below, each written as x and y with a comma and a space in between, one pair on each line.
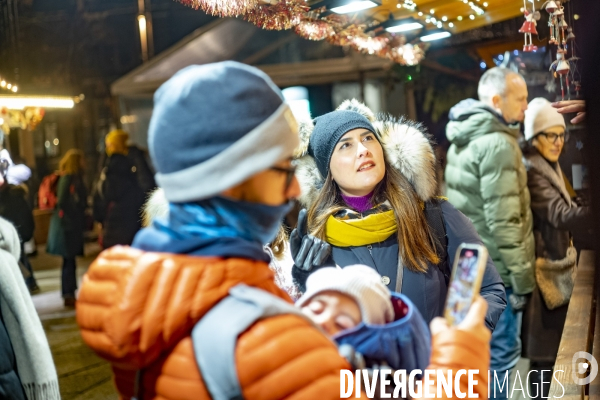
216, 125
328, 131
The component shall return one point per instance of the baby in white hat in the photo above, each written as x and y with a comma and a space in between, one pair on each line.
355, 308
338, 299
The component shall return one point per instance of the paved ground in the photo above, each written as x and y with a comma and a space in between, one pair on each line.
81, 374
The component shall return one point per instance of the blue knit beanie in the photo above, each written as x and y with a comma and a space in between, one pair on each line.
329, 129
216, 125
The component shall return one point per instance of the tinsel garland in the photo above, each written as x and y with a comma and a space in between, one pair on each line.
340, 30
222, 8
281, 16
314, 29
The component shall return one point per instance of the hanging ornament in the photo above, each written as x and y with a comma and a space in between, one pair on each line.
551, 6
571, 35
561, 70
529, 26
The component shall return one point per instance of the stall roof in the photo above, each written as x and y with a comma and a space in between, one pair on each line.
285, 57
289, 59
456, 11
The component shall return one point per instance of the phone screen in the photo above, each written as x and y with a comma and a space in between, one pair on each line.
464, 284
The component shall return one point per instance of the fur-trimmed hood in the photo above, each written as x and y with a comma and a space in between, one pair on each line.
406, 145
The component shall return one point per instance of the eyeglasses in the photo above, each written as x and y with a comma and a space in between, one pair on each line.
553, 137
290, 171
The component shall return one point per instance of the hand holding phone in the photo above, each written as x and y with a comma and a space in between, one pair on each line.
465, 282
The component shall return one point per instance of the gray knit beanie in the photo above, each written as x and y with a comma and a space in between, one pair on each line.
216, 125
329, 129
360, 282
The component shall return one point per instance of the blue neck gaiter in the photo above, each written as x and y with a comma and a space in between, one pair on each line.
215, 227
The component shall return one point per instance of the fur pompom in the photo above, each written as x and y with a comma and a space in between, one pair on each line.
357, 106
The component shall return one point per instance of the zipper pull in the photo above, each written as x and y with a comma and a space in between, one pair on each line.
370, 248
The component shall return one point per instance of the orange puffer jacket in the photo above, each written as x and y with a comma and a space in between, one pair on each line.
137, 310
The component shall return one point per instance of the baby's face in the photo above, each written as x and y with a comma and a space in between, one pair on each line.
333, 311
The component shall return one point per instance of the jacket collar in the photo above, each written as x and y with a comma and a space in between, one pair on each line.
554, 175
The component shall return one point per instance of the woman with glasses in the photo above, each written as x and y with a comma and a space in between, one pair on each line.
555, 217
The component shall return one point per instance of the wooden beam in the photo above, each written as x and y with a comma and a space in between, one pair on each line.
265, 51
577, 333
448, 71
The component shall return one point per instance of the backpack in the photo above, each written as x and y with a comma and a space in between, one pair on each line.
47, 197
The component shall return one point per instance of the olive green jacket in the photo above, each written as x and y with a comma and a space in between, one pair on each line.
487, 181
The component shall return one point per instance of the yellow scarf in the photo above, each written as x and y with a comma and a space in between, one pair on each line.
373, 228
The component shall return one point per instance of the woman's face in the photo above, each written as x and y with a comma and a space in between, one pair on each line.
544, 143
357, 163
333, 311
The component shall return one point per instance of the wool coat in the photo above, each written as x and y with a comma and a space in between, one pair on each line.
123, 199
65, 236
487, 181
15, 208
555, 216
408, 149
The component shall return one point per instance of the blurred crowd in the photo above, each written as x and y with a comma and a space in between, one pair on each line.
261, 255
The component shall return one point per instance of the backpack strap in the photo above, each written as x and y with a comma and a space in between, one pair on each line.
215, 336
435, 220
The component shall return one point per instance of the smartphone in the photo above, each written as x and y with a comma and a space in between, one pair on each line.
465, 282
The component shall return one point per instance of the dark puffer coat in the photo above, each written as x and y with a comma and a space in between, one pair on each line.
15, 208
65, 236
123, 199
555, 216
407, 149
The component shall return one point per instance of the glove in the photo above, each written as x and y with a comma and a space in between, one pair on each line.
517, 301
307, 251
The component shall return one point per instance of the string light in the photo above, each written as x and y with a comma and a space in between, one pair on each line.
22, 102
8, 86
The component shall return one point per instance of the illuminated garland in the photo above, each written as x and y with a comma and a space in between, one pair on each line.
336, 29
8, 86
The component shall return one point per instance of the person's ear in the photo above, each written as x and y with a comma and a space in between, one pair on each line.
237, 192
496, 101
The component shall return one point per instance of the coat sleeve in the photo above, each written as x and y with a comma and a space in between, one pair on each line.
460, 229
548, 204
453, 350
501, 194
